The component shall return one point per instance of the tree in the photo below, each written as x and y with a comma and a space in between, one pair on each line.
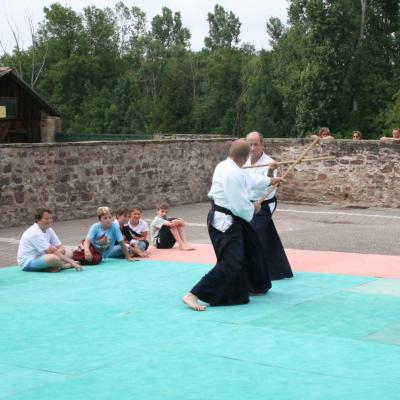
275, 30
224, 29
215, 108
120, 110
326, 63
62, 28
176, 95
262, 102
101, 33
168, 29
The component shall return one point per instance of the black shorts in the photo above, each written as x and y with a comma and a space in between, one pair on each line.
164, 239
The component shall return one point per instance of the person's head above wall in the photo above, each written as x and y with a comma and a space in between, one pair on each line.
324, 132
356, 135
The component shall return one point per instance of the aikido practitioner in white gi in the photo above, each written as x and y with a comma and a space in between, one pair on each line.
240, 269
273, 251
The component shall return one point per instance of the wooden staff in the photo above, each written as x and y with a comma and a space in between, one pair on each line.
301, 156
291, 162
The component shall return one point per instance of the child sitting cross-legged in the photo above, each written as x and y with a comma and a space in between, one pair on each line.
121, 222
165, 232
136, 230
103, 235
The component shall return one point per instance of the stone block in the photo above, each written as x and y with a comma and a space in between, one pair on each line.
19, 196
7, 168
4, 182
62, 188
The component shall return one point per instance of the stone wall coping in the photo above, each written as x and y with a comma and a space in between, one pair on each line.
180, 140
108, 142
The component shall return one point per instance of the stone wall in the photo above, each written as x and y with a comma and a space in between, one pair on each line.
73, 179
364, 174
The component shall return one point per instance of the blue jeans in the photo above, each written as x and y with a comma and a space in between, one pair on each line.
116, 252
143, 245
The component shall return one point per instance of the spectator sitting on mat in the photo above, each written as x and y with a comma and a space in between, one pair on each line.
40, 249
122, 218
103, 235
136, 229
165, 232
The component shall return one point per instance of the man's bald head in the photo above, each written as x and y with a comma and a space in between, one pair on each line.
255, 136
256, 143
239, 151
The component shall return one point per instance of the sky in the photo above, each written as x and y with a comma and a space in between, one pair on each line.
253, 14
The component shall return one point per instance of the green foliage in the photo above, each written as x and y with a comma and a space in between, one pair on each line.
168, 29
262, 101
342, 66
390, 118
62, 31
215, 107
224, 29
336, 64
176, 95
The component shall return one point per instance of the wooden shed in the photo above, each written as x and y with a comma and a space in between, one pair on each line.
25, 117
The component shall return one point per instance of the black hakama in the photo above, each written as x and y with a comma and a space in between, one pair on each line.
240, 268
273, 251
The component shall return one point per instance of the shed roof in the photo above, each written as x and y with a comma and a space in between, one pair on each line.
6, 71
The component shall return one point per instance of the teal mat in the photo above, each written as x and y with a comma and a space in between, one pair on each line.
120, 331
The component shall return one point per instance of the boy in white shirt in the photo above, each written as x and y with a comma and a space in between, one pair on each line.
136, 229
40, 249
121, 222
165, 232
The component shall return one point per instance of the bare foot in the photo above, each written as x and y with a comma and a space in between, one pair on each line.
143, 254
191, 301
73, 264
77, 266
186, 246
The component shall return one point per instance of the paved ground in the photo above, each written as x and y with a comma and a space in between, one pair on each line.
306, 227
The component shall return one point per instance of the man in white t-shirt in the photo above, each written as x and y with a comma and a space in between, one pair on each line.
40, 249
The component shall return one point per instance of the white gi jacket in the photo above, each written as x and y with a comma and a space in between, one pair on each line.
257, 193
230, 189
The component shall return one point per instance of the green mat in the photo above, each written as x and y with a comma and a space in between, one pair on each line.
120, 331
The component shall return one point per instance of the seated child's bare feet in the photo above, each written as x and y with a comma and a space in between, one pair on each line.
73, 264
186, 246
77, 266
191, 301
